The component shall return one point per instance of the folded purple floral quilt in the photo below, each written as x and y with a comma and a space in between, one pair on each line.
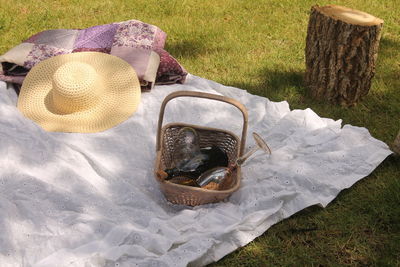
138, 43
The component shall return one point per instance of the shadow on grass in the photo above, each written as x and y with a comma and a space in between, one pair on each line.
186, 48
388, 46
387, 65
280, 84
191, 48
276, 84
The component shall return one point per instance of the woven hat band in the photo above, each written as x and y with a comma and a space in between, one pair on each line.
76, 87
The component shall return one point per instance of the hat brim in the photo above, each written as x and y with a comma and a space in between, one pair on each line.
119, 100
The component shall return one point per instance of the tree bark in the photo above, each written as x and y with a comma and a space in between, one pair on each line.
341, 53
396, 144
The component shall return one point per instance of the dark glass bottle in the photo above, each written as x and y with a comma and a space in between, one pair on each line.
207, 158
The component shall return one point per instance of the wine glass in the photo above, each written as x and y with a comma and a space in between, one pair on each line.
213, 178
187, 147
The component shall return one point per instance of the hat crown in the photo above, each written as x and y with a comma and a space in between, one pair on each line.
75, 87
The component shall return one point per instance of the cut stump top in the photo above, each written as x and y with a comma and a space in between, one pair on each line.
349, 15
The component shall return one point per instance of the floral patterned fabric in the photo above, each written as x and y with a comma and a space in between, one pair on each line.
97, 37
135, 34
169, 71
134, 41
41, 52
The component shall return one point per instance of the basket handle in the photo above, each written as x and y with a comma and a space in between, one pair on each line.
225, 99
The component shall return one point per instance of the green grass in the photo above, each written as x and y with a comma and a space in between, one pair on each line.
259, 46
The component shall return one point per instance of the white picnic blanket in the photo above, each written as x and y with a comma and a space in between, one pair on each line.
70, 199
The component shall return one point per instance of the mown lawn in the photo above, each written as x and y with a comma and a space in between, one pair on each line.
259, 46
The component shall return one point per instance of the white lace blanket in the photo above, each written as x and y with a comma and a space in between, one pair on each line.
91, 199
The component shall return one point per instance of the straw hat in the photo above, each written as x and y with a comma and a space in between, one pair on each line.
80, 92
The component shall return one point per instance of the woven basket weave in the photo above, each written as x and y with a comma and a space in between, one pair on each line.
227, 141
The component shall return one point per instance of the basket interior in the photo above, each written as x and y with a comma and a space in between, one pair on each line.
226, 141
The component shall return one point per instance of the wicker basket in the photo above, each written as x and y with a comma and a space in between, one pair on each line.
227, 141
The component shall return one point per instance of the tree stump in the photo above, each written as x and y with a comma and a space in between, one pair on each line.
341, 53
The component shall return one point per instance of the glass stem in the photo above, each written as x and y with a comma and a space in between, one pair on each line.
243, 158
